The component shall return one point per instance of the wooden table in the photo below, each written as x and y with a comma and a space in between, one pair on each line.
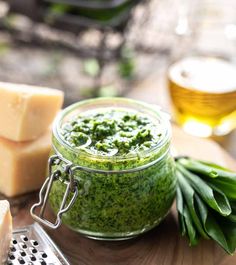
161, 246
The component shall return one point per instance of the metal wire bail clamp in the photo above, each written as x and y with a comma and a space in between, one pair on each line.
71, 187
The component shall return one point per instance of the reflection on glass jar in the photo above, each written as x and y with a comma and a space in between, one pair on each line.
119, 196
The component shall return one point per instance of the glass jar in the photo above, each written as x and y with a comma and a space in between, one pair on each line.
119, 197
201, 78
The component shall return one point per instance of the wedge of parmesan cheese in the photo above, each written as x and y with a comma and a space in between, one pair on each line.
23, 164
27, 111
5, 230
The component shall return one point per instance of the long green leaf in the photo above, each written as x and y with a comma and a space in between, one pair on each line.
208, 169
222, 171
214, 198
192, 233
185, 222
226, 186
211, 226
222, 178
188, 193
229, 229
232, 216
180, 209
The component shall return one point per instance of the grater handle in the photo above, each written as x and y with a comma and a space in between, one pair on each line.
71, 187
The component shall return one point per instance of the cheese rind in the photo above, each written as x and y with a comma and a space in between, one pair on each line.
27, 111
5, 230
23, 165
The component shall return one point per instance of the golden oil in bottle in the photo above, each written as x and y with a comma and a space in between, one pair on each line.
203, 94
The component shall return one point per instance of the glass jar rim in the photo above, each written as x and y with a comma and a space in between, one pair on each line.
161, 116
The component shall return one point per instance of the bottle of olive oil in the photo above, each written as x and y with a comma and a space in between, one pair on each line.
203, 94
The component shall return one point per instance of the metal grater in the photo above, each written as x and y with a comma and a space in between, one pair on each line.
32, 246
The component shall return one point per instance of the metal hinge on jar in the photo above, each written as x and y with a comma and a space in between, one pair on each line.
71, 187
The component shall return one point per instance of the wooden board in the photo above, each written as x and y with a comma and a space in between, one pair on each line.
161, 246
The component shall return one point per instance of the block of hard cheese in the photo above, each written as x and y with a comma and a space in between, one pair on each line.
5, 230
27, 111
23, 164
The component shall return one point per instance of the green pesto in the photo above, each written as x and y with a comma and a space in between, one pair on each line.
111, 132
115, 205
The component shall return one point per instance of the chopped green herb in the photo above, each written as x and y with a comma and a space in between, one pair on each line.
123, 131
